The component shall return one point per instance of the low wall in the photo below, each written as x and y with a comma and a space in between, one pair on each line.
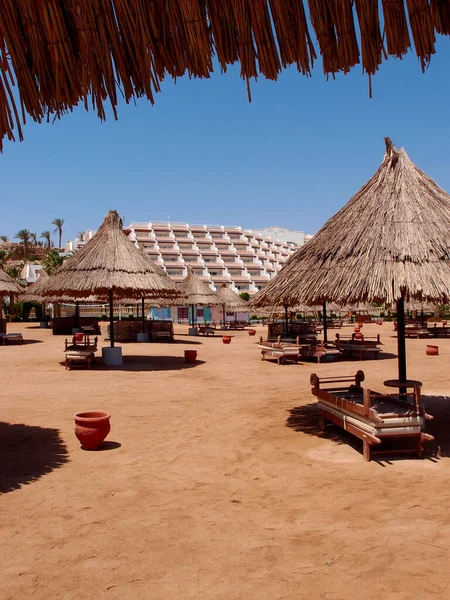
126, 331
64, 325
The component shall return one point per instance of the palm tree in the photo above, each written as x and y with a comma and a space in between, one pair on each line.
52, 260
24, 235
58, 223
4, 238
45, 235
4, 256
80, 236
33, 239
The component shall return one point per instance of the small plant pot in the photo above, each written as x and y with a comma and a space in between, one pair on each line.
252, 332
444, 323
91, 428
358, 336
357, 330
190, 356
379, 322
226, 339
432, 350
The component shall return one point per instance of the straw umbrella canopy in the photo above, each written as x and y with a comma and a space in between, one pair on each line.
77, 52
389, 243
109, 267
230, 300
8, 285
194, 292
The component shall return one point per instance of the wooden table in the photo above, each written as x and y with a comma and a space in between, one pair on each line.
396, 383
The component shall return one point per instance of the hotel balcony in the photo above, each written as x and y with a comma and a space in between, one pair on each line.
212, 252
219, 279
165, 239
169, 251
214, 265
246, 253
260, 278
161, 228
189, 252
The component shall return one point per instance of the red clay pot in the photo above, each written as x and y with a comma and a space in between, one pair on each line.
444, 323
358, 336
379, 322
252, 332
91, 428
432, 350
190, 356
226, 339
357, 330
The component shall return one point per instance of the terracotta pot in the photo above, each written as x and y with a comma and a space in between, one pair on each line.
358, 336
444, 323
226, 339
91, 428
190, 356
357, 330
432, 350
252, 332
379, 322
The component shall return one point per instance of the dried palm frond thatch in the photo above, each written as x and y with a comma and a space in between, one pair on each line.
109, 263
230, 300
8, 285
391, 240
65, 52
195, 292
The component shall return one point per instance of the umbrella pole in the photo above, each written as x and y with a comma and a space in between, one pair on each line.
111, 319
401, 345
143, 316
77, 315
223, 315
286, 317
422, 317
325, 332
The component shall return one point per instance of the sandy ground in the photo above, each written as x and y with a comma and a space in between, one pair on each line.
216, 483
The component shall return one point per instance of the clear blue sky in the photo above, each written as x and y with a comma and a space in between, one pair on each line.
203, 154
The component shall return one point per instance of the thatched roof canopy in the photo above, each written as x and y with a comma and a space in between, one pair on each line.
8, 285
109, 261
391, 239
68, 52
230, 299
194, 291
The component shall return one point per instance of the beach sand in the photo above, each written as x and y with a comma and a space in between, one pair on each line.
215, 482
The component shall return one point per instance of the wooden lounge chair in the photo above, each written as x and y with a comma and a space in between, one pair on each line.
206, 330
320, 353
84, 344
371, 416
282, 353
80, 358
162, 336
12, 338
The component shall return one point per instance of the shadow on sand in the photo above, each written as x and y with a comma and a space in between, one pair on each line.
306, 419
27, 453
136, 362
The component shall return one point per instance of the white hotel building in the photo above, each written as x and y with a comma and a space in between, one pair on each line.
246, 259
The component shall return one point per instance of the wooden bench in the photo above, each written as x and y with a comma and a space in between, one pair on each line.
79, 358
12, 338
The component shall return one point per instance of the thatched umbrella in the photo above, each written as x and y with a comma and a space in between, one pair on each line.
230, 300
8, 285
390, 243
194, 292
92, 52
109, 267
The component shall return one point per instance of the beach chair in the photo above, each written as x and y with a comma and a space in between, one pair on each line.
12, 338
79, 358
